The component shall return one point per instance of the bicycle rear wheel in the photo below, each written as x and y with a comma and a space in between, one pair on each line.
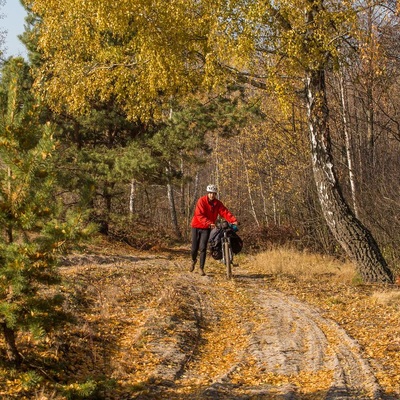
227, 259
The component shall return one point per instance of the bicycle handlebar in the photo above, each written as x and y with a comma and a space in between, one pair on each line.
225, 225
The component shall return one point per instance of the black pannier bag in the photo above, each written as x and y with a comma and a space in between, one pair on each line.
236, 243
215, 242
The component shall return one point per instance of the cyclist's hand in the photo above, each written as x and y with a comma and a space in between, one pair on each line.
234, 227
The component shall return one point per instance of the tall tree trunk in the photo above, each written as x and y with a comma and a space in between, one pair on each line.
194, 195
182, 189
11, 348
172, 210
370, 132
355, 239
132, 196
105, 221
170, 193
246, 170
370, 112
262, 194
347, 141
273, 198
216, 177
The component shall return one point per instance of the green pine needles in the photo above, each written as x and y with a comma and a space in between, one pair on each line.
35, 226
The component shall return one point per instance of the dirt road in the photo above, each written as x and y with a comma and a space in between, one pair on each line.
253, 342
184, 336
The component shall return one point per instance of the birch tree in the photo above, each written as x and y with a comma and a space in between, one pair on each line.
139, 53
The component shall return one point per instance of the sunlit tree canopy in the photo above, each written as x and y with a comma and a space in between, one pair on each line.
137, 52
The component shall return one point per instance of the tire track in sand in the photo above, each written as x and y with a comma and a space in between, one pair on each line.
290, 346
286, 348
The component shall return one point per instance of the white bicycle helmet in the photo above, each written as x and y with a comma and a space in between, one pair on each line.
212, 188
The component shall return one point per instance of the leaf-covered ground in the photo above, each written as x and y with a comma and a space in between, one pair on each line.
146, 328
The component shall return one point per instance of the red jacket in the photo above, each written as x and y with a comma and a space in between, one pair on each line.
206, 213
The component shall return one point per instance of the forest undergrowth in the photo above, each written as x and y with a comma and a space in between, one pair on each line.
146, 328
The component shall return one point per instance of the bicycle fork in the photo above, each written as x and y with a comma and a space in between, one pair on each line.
227, 255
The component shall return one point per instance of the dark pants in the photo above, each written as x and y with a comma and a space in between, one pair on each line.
199, 243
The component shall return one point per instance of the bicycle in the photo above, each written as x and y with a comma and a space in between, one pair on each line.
227, 252
224, 243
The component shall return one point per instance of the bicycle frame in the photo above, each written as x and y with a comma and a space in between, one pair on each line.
227, 254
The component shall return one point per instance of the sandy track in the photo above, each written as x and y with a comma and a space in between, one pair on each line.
288, 347
209, 338
296, 338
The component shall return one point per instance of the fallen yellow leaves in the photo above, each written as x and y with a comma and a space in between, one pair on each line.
369, 313
142, 320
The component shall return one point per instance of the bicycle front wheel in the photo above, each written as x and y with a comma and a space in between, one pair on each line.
227, 259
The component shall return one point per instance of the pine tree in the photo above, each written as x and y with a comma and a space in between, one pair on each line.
34, 226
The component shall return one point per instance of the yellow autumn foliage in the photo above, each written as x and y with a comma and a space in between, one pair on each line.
139, 52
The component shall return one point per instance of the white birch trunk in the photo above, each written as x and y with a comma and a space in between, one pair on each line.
347, 137
132, 196
246, 170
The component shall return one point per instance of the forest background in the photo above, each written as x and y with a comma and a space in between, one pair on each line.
140, 132
125, 112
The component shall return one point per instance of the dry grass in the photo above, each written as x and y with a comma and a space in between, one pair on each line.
303, 265
389, 298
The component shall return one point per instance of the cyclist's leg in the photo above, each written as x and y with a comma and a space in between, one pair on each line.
195, 246
204, 236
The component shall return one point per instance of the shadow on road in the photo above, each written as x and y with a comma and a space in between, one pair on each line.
252, 277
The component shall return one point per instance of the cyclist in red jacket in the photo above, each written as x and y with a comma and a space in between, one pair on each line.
208, 208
